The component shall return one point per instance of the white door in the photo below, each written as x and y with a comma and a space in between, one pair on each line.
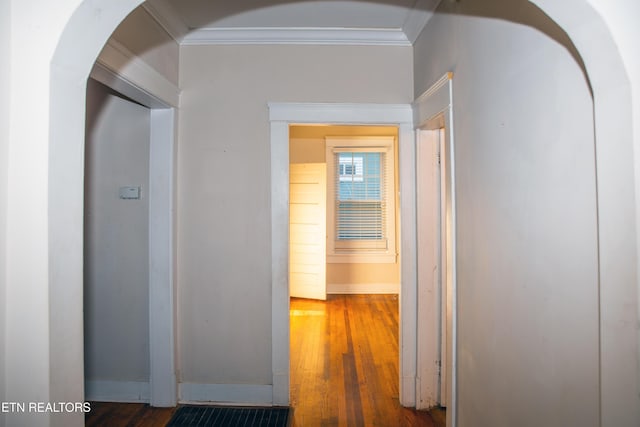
433, 313
308, 230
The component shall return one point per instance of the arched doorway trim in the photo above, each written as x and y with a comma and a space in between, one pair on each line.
617, 206
83, 37
79, 44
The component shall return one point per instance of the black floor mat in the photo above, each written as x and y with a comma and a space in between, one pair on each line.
201, 416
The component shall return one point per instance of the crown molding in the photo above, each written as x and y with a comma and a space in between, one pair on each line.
118, 68
417, 19
166, 16
297, 36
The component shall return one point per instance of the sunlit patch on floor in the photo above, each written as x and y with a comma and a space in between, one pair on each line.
307, 312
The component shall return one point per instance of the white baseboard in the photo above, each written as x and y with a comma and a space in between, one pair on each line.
117, 391
363, 288
280, 390
408, 391
238, 394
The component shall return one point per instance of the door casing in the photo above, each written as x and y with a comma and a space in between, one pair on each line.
433, 110
163, 389
281, 116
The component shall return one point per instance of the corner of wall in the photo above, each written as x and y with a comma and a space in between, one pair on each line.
5, 86
143, 35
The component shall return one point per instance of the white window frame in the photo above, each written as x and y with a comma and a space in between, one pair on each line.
355, 252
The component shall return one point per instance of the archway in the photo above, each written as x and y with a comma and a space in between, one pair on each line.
614, 145
78, 47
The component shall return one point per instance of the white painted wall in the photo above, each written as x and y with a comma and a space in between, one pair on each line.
224, 271
527, 230
27, 340
116, 263
5, 82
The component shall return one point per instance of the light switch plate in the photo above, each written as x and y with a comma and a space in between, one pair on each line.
129, 193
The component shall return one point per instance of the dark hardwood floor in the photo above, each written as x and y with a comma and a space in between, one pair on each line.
344, 369
127, 415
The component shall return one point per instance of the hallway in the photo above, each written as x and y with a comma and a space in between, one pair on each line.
544, 99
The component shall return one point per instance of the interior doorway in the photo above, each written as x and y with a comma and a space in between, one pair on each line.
436, 228
116, 249
282, 117
155, 289
332, 347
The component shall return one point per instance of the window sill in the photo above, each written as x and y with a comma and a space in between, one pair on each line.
362, 258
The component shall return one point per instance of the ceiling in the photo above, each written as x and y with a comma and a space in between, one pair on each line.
386, 22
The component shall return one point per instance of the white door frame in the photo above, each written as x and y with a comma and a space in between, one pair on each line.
281, 115
162, 390
434, 110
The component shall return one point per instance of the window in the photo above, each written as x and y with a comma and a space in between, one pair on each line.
361, 204
359, 198
351, 167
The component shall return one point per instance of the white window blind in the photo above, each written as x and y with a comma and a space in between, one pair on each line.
361, 199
